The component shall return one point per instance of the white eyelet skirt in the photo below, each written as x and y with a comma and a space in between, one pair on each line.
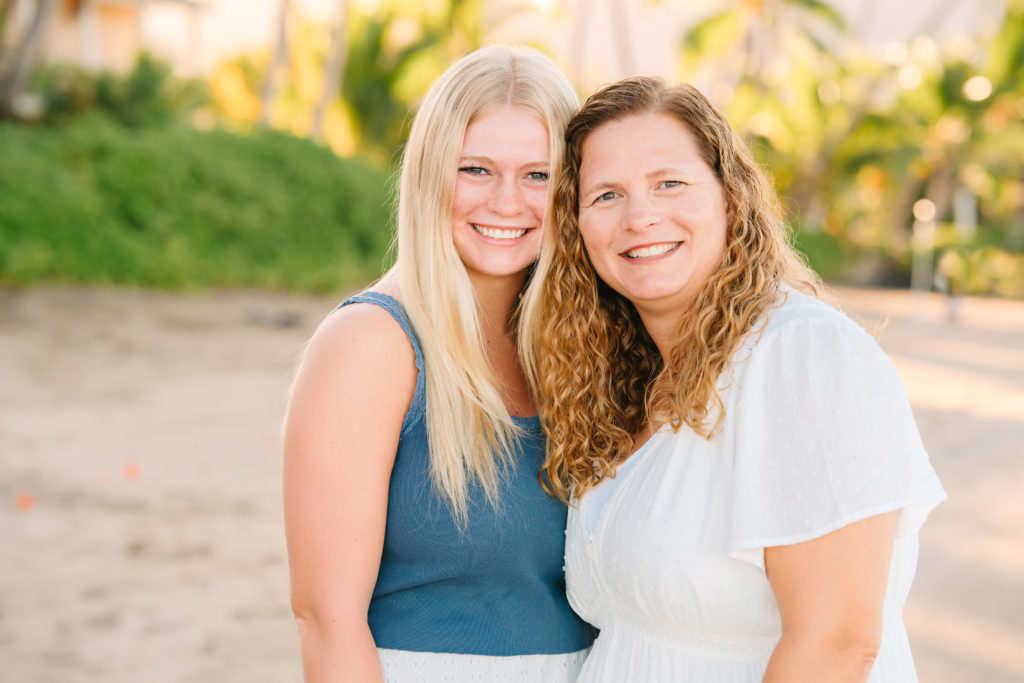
402, 666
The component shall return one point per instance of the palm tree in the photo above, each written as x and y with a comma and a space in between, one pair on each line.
383, 77
278, 62
334, 68
751, 41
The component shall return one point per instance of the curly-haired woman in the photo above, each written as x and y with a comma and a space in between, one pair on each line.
746, 476
421, 546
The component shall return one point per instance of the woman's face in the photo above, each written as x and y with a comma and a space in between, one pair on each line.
500, 193
652, 213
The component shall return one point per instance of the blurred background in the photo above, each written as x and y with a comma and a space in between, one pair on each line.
893, 130
186, 187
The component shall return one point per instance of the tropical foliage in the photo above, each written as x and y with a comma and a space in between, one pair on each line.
392, 54
887, 161
856, 142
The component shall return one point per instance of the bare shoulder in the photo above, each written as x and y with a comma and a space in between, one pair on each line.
363, 339
357, 379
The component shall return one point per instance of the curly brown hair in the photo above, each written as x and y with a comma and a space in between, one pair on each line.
598, 376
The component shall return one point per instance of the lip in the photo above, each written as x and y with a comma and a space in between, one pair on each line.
648, 245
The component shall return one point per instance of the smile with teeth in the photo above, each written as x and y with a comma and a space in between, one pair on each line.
651, 250
500, 233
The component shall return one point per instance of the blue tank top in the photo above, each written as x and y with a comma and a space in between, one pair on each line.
495, 588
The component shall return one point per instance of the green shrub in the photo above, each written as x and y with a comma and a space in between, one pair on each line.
827, 254
147, 95
171, 206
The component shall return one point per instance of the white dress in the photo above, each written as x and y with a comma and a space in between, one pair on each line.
669, 565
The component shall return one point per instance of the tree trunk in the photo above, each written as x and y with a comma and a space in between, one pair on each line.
579, 25
334, 69
621, 37
278, 60
21, 60
6, 9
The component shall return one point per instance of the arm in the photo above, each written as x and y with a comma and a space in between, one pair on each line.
341, 433
830, 591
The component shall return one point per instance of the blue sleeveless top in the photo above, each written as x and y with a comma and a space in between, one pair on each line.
495, 588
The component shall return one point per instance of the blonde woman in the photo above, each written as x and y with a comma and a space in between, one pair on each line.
421, 545
746, 475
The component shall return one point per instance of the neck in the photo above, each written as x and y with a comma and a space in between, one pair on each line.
663, 328
497, 297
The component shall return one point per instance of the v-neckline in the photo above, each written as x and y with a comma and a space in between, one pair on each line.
590, 534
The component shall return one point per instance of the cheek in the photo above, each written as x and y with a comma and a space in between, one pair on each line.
595, 246
537, 201
463, 199
594, 233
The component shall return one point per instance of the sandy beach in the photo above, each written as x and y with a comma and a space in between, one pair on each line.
140, 465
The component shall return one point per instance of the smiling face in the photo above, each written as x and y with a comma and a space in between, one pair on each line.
500, 193
652, 213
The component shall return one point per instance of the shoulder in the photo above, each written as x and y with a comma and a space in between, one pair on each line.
801, 329
808, 352
799, 312
820, 430
362, 329
361, 349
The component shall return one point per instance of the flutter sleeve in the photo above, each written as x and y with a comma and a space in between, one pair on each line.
823, 436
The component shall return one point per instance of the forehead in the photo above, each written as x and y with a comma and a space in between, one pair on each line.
508, 129
641, 142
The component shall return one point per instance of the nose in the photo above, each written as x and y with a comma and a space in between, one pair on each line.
507, 199
641, 214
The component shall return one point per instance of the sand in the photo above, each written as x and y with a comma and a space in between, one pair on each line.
140, 511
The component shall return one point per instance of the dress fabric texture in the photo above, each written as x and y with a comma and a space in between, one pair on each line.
817, 434
484, 603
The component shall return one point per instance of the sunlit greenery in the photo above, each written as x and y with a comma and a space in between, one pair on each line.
854, 138
854, 141
392, 54
170, 206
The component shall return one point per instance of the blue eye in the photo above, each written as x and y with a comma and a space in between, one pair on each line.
473, 170
606, 197
671, 183
537, 175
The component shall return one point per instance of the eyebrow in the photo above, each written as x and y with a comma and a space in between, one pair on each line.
488, 160
668, 170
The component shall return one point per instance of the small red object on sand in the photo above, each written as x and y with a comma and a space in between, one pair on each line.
131, 471
25, 502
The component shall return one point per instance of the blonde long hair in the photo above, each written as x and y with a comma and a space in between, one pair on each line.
469, 429
598, 375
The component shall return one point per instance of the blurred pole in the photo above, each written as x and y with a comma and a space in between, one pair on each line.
13, 78
965, 214
195, 46
278, 60
866, 19
89, 35
621, 37
6, 14
965, 226
923, 247
579, 20
334, 69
